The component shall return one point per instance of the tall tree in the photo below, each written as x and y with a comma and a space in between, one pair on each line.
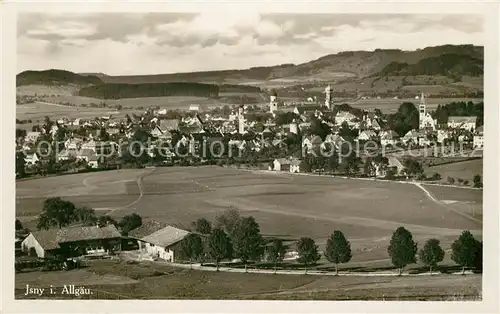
431, 254
338, 249
19, 225
56, 212
192, 247
477, 181
465, 250
20, 164
247, 241
276, 252
203, 226
220, 246
105, 220
86, 216
402, 249
308, 252
130, 222
228, 221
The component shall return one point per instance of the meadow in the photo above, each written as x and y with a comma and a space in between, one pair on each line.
286, 206
148, 280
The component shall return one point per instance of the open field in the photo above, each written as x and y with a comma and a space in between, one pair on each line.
119, 280
284, 205
389, 105
32, 90
464, 170
38, 111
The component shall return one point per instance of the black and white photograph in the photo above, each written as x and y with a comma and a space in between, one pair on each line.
252, 155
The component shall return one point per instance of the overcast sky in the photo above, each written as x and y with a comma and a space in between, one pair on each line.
139, 43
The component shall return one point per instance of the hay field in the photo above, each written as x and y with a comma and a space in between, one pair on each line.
288, 206
464, 170
38, 111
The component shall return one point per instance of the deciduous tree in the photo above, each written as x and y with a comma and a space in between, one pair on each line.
402, 248
247, 241
220, 246
431, 254
308, 252
465, 250
202, 226
130, 222
276, 252
338, 249
192, 247
56, 212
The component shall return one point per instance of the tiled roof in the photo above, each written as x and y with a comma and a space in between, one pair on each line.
147, 228
455, 119
50, 239
170, 124
166, 236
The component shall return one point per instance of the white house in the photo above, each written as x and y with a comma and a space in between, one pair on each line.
389, 138
367, 135
344, 116
194, 108
466, 123
414, 137
479, 137
442, 135
89, 156
158, 240
291, 165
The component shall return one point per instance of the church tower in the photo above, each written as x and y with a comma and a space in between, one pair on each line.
422, 112
329, 97
241, 120
273, 103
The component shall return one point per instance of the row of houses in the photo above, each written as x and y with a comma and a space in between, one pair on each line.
154, 239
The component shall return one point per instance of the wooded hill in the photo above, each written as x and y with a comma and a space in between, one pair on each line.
55, 77
119, 91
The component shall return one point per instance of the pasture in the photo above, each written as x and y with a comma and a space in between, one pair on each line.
465, 170
390, 105
285, 205
38, 111
120, 280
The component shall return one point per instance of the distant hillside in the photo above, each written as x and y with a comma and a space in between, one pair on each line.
330, 67
446, 64
120, 91
55, 77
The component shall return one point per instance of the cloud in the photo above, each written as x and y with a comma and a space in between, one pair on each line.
130, 43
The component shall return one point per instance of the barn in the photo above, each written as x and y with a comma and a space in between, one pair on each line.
73, 241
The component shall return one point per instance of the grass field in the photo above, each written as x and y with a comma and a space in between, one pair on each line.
119, 280
284, 205
390, 105
464, 170
38, 111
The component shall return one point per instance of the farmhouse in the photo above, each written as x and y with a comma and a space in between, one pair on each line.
466, 123
74, 241
367, 135
158, 240
287, 164
344, 116
389, 138
89, 156
479, 137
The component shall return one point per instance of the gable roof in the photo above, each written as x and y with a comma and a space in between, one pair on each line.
456, 119
50, 239
166, 236
147, 228
169, 124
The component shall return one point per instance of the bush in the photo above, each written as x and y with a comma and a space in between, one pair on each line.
451, 180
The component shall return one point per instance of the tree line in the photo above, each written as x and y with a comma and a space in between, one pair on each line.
239, 237
59, 213
118, 91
